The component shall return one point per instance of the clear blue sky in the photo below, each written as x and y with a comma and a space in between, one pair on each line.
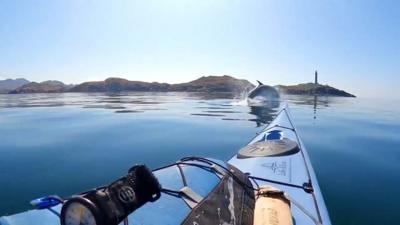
355, 44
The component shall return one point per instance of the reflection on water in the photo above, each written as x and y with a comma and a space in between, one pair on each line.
315, 106
207, 114
220, 105
128, 111
264, 113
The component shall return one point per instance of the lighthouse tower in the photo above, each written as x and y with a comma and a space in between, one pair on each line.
316, 77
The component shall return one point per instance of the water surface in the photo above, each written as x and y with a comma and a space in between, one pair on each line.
65, 143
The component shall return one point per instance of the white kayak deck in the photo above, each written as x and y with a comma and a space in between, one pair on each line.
288, 173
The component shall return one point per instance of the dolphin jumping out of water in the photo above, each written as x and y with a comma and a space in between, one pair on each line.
263, 93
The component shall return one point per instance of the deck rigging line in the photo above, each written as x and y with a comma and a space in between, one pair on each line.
181, 194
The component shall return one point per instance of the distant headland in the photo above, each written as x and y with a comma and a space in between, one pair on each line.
312, 89
203, 84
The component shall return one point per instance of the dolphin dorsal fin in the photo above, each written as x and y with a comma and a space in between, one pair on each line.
259, 83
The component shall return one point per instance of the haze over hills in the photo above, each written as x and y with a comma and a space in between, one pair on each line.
203, 84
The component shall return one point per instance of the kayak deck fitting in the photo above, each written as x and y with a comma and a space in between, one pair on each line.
275, 157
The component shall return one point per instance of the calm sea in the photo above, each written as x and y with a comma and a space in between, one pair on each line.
66, 143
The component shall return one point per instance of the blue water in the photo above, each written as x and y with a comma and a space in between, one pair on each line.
66, 143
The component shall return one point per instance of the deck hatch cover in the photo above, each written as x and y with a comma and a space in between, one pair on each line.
277, 147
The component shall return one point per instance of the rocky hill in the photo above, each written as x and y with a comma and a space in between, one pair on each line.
203, 84
313, 89
11, 84
214, 84
50, 86
209, 84
119, 84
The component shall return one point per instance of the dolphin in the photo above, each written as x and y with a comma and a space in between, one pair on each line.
263, 93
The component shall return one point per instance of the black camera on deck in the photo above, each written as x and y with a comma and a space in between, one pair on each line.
112, 204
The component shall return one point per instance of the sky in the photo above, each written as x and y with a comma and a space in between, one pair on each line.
354, 44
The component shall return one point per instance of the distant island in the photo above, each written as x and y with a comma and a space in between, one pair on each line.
11, 84
312, 89
203, 84
50, 86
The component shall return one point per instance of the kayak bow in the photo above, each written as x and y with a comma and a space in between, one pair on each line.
277, 157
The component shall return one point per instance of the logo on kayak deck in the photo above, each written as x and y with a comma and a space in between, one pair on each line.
126, 194
278, 168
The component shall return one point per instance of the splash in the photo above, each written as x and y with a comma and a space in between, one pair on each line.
241, 99
260, 100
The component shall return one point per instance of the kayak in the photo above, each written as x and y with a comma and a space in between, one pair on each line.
289, 171
211, 191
